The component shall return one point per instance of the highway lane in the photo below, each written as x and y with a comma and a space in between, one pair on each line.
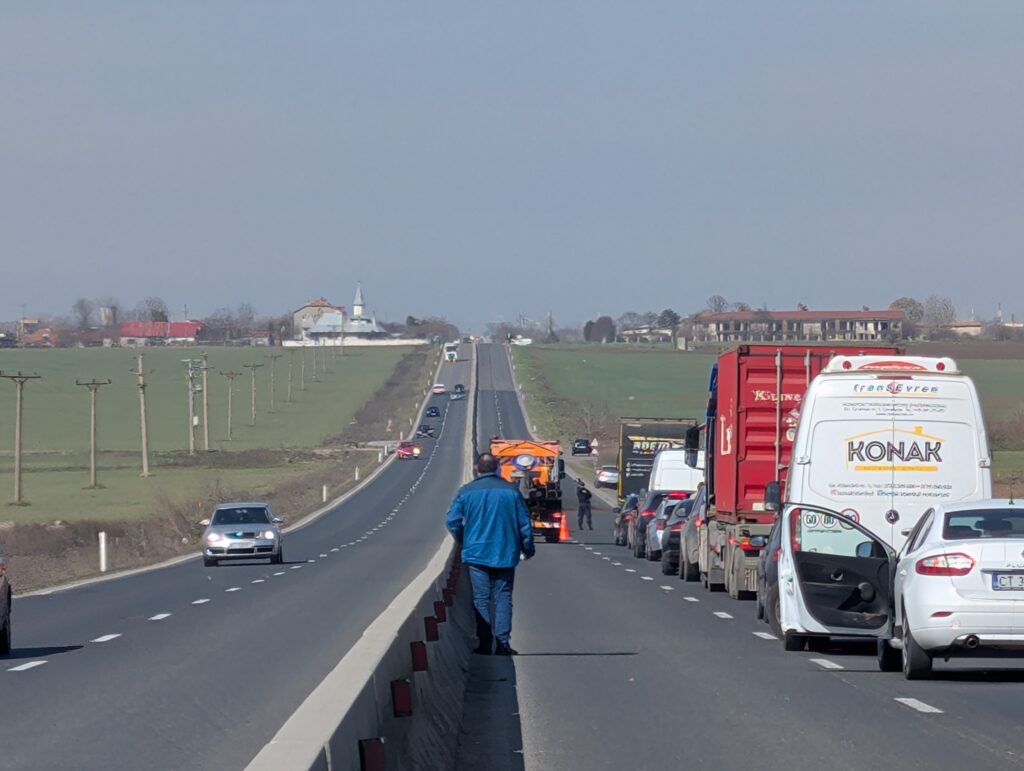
210, 662
621, 667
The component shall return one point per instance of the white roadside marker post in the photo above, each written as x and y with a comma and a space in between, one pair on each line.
103, 551
324, 492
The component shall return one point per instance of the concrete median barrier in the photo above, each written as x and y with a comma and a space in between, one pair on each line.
395, 700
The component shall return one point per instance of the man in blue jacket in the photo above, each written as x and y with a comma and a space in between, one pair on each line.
489, 520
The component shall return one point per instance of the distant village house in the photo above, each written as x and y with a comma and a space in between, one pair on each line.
798, 326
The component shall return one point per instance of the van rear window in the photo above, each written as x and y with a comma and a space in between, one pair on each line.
984, 523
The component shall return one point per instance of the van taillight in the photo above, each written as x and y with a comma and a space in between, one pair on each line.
678, 496
945, 565
794, 528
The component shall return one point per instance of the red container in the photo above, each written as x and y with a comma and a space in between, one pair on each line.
760, 390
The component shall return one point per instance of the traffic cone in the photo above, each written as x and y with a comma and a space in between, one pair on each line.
563, 530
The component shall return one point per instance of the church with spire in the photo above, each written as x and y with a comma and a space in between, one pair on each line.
333, 324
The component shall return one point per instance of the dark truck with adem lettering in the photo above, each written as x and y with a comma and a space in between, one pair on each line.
640, 439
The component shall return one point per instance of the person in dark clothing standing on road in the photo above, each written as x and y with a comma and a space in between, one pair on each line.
490, 522
583, 496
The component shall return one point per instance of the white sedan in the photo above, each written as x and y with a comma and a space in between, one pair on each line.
607, 476
952, 591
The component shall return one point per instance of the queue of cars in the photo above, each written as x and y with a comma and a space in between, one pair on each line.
880, 521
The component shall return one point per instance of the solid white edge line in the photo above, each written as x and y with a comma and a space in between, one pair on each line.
826, 664
919, 705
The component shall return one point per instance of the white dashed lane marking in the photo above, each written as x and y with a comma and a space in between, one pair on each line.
722, 614
106, 638
159, 617
279, 573
646, 578
258, 581
826, 664
630, 570
765, 635
234, 589
296, 567
667, 588
201, 601
27, 665
688, 598
920, 706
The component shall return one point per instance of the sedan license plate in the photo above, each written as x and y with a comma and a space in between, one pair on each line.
241, 545
1008, 582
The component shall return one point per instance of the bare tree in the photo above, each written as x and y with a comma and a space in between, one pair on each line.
152, 309
82, 312
717, 304
937, 312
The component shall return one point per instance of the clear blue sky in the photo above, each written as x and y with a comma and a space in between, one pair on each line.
489, 159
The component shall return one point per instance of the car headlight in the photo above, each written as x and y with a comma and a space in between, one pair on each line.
269, 535
214, 537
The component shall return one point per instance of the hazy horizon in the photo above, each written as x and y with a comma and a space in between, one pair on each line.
483, 162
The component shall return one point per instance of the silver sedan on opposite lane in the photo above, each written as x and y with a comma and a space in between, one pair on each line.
241, 531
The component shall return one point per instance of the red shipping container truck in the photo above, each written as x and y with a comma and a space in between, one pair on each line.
755, 392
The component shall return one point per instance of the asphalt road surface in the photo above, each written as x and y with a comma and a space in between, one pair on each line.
190, 667
621, 667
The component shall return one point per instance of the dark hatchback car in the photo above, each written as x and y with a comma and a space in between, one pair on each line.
425, 431
433, 412
637, 539
672, 535
623, 516
581, 447
768, 580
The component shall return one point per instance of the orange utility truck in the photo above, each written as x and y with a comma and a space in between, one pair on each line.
538, 469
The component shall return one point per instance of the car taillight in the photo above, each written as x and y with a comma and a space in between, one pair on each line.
945, 565
776, 553
677, 527
647, 513
794, 528
698, 522
678, 496
743, 542
659, 525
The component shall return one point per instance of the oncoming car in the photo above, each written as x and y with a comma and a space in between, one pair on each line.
407, 451
242, 531
607, 476
438, 388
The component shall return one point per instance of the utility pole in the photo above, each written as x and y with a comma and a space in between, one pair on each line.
252, 400
93, 386
302, 374
314, 362
206, 403
190, 381
140, 381
273, 369
231, 388
291, 368
19, 381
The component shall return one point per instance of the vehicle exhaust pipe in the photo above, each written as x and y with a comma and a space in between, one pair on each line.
972, 642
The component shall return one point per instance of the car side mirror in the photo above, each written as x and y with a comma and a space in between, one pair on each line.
772, 496
866, 549
905, 532
204, 522
277, 520
759, 541
617, 510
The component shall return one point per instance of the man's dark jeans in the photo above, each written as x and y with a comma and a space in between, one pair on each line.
492, 601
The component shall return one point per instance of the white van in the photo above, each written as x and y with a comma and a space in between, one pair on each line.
879, 440
670, 472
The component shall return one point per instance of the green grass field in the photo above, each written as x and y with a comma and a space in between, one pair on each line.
56, 426
656, 381
56, 411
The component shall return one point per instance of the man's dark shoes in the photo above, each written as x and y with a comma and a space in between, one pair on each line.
502, 649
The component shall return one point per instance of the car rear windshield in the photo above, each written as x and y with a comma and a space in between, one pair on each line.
254, 515
984, 523
607, 469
